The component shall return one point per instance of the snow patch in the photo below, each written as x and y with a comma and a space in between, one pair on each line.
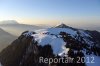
51, 36
57, 44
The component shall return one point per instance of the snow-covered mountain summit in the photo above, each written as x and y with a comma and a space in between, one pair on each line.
55, 31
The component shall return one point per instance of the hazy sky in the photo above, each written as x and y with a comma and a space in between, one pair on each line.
71, 12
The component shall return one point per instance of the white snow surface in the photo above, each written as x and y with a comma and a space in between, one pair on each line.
57, 44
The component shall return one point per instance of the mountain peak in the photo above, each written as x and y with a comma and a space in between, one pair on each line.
9, 22
62, 25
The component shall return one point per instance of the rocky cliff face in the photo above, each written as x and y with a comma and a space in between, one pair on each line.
24, 52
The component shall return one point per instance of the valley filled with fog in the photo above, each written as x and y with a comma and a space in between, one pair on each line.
10, 30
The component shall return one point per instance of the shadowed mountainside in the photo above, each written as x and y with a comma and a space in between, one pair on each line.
5, 39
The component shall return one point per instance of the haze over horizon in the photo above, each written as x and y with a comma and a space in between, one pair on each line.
71, 12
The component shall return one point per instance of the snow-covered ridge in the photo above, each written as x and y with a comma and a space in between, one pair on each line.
52, 36
56, 31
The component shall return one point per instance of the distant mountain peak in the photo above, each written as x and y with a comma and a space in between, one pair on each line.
9, 22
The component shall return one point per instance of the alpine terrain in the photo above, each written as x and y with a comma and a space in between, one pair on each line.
57, 42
